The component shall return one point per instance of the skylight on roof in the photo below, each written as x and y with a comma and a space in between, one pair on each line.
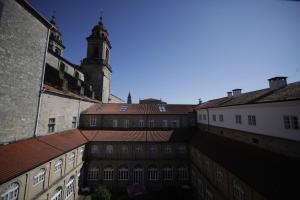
124, 108
162, 108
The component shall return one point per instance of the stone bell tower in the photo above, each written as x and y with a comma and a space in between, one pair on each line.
96, 64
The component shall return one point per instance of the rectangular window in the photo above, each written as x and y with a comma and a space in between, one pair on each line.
295, 124
238, 119
126, 123
93, 121
58, 166
204, 116
221, 118
51, 125
214, 117
115, 123
153, 174
39, 177
165, 123
141, 123
286, 121
151, 123
93, 174
252, 120
200, 116
291, 122
74, 122
175, 124
70, 188
108, 174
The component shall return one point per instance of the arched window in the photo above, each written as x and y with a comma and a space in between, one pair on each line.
93, 173
70, 187
11, 192
107, 55
57, 195
109, 149
153, 173
58, 166
39, 177
238, 191
123, 173
138, 174
168, 173
108, 174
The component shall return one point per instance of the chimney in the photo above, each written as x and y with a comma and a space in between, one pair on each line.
236, 92
277, 82
199, 101
229, 94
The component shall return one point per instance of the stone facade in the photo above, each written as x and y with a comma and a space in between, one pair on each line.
209, 180
29, 188
64, 110
22, 49
278, 145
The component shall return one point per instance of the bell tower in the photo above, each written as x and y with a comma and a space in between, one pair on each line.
96, 64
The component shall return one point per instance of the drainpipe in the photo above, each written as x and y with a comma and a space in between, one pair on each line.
42, 83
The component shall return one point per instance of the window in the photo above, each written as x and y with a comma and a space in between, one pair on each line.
138, 149
108, 174
168, 149
57, 194
165, 123
81, 151
126, 123
151, 123
124, 149
200, 187
183, 173
221, 118
168, 173
11, 192
141, 123
219, 177
252, 120
238, 119
51, 125
115, 123
182, 149
214, 117
94, 149
93, 121
70, 187
58, 166
290, 122
76, 74
123, 174
138, 175
74, 122
162, 108
153, 149
204, 116
109, 149
93, 174
124, 108
72, 157
153, 173
238, 192
39, 177
175, 123
200, 116
107, 55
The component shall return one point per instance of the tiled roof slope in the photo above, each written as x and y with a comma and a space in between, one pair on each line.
287, 93
66, 140
50, 89
22, 156
115, 108
274, 176
138, 135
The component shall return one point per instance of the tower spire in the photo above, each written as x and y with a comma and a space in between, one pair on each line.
129, 101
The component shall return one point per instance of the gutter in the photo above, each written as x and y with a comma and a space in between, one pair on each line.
42, 84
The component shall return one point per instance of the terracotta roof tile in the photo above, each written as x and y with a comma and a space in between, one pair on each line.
19, 157
114, 108
66, 140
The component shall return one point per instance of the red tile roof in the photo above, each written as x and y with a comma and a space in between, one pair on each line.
138, 135
50, 89
66, 140
20, 157
114, 108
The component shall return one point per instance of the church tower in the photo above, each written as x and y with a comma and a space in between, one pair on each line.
55, 43
96, 64
129, 101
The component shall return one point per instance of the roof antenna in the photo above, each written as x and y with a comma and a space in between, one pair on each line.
101, 15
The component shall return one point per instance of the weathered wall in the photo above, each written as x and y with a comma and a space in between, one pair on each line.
22, 48
63, 109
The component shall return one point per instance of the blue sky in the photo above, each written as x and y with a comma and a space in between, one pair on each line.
182, 50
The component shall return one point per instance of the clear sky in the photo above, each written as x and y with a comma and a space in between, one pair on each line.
182, 50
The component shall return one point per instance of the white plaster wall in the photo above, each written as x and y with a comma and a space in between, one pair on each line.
269, 118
